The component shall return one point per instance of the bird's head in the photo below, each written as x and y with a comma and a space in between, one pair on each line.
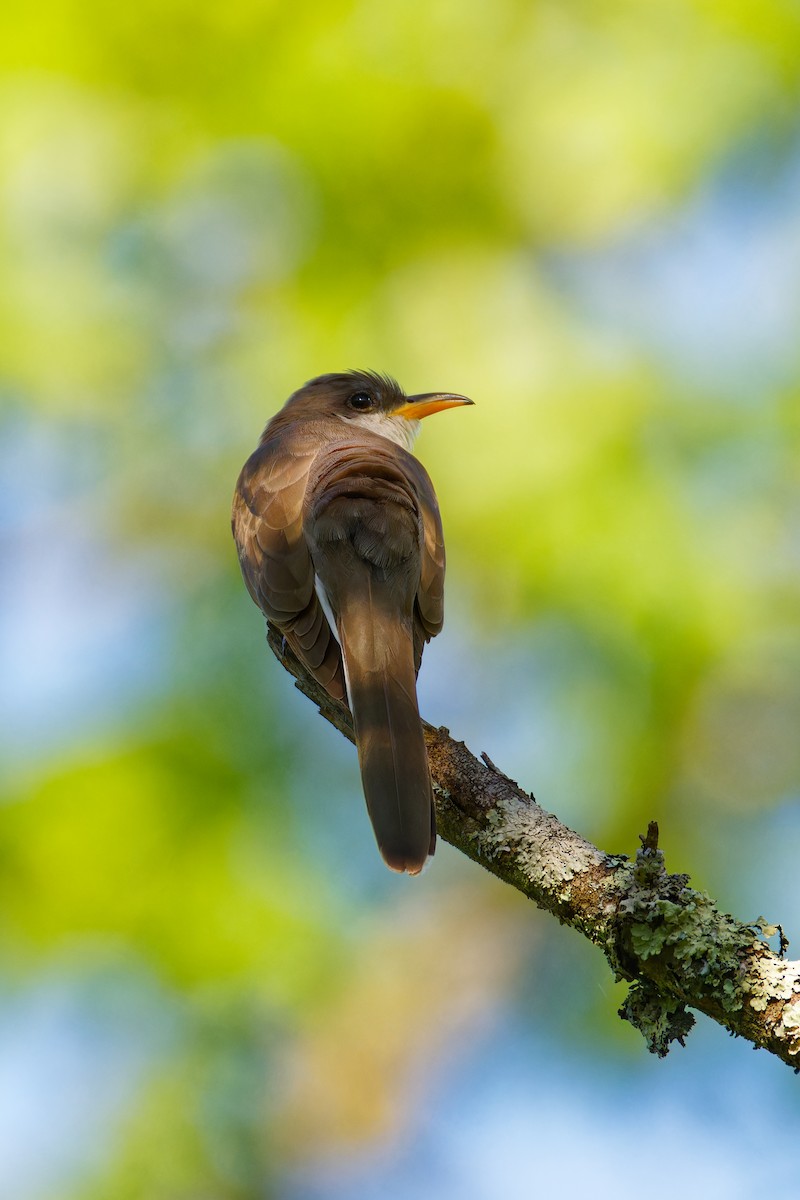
364, 398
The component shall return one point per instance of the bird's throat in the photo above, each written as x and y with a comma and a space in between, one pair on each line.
397, 429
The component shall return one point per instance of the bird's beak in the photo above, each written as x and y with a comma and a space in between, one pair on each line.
417, 407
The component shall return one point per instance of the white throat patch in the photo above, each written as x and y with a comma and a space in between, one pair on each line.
397, 429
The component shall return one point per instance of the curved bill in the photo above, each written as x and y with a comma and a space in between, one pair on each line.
417, 407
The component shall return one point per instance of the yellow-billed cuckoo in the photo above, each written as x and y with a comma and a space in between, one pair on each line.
340, 544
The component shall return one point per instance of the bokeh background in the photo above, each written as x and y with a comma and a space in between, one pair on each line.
587, 217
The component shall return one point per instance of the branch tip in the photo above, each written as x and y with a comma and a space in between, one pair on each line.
649, 840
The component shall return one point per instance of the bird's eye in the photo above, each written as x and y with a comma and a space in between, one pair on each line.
361, 401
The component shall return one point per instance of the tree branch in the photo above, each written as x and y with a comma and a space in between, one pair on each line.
670, 942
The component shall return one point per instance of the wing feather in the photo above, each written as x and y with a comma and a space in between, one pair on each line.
267, 524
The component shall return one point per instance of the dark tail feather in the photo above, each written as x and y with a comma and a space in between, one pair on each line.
378, 653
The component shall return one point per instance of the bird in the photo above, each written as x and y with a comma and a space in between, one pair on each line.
340, 544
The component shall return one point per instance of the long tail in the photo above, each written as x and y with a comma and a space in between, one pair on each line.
377, 647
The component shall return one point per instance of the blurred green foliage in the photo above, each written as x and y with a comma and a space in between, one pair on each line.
205, 205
